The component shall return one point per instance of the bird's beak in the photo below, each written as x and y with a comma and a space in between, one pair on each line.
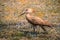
22, 13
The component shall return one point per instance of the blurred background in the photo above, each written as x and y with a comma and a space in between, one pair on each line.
45, 9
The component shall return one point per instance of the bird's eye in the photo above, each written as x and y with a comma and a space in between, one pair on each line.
26, 9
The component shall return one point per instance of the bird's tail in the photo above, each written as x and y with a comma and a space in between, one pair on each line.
50, 24
53, 25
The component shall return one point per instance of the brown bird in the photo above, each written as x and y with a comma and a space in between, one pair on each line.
34, 20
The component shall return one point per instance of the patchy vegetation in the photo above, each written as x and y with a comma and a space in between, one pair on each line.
23, 31
9, 14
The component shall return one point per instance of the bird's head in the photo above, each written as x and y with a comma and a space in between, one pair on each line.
27, 11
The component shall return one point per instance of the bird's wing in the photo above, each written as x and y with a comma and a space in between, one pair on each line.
37, 20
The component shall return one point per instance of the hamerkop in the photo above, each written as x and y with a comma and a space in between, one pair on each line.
34, 20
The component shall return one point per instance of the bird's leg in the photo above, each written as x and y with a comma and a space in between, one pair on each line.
31, 26
43, 28
51, 27
33, 29
34, 26
45, 31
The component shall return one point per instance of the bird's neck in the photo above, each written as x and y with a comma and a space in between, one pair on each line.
28, 15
